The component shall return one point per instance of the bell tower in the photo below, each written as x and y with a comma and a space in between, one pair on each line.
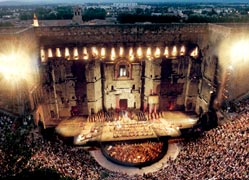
77, 15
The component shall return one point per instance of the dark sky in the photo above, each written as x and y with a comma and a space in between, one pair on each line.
100, 1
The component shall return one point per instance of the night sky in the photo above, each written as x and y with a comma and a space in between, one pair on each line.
102, 1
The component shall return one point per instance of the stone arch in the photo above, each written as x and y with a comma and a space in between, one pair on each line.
123, 69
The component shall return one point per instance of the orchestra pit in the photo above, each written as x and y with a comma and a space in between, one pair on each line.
119, 134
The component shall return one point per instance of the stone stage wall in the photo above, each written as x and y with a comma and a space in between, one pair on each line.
106, 34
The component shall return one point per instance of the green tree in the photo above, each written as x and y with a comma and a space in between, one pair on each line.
64, 12
42, 13
133, 18
139, 11
198, 19
94, 13
26, 16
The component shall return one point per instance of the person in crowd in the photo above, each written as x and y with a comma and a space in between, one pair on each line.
221, 153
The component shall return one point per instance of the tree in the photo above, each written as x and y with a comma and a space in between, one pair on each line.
139, 11
26, 16
133, 18
64, 12
94, 13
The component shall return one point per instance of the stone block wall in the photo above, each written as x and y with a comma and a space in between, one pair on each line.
94, 87
105, 34
178, 81
117, 88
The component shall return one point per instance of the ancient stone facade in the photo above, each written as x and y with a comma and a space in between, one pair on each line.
98, 78
90, 68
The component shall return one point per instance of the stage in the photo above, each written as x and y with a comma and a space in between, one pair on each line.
83, 131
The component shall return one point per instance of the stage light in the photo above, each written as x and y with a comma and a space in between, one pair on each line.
239, 51
50, 53
194, 53
67, 53
230, 67
149, 53
131, 54
157, 52
75, 53
113, 54
139, 53
58, 52
174, 51
166, 52
85, 54
102, 53
95, 52
121, 51
17, 65
42, 52
182, 50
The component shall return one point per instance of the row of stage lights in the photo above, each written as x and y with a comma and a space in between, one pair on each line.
95, 53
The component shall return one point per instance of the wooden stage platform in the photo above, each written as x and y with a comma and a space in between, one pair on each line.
125, 128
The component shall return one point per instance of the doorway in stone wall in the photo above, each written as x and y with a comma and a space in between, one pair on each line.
123, 104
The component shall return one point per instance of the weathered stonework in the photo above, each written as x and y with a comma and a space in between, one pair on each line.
83, 72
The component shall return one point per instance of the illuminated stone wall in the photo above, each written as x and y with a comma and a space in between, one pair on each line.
94, 86
223, 61
118, 87
145, 48
152, 81
181, 65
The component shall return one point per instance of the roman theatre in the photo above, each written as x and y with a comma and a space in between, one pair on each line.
128, 89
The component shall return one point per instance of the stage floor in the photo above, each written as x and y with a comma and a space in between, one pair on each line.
125, 129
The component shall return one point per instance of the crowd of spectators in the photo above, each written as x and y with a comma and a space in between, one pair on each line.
6, 124
242, 106
220, 153
15, 147
7, 129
